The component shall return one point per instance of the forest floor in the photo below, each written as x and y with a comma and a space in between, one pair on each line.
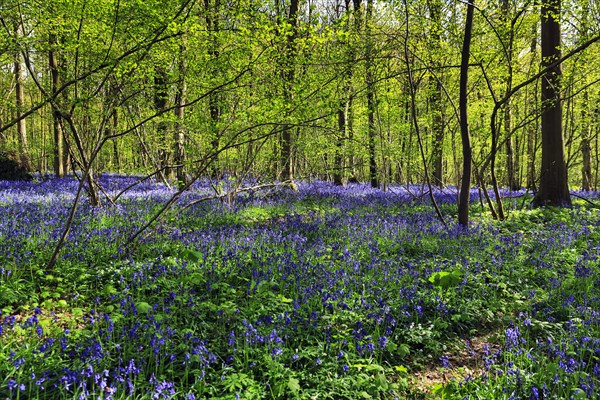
322, 293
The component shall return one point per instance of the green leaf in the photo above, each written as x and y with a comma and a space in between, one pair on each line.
401, 369
381, 382
78, 312
109, 290
285, 299
294, 385
144, 307
403, 350
192, 255
446, 279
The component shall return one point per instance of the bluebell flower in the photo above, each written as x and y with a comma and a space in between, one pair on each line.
445, 361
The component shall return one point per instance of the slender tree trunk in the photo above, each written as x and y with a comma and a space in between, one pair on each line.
214, 98
370, 82
179, 139
511, 165
532, 129
435, 96
343, 107
357, 26
161, 97
58, 144
511, 173
465, 187
554, 188
586, 122
338, 173
586, 145
20, 105
288, 76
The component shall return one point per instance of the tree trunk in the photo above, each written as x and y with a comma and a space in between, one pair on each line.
435, 96
586, 145
20, 105
554, 188
338, 173
288, 76
343, 107
214, 103
161, 96
511, 165
58, 144
532, 129
370, 82
465, 187
179, 139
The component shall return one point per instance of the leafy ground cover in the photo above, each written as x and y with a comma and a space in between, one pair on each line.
319, 293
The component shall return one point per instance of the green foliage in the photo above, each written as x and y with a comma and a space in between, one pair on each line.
255, 283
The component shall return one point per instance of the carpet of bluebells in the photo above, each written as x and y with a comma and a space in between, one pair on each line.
321, 293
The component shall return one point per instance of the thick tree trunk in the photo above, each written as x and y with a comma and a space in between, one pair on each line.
554, 188
465, 187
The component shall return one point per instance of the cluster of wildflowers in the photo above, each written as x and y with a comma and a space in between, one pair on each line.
340, 280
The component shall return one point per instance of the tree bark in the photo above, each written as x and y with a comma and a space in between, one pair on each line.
161, 97
554, 188
20, 105
179, 139
511, 166
532, 130
338, 173
214, 101
465, 187
370, 82
58, 144
344, 105
435, 96
288, 76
